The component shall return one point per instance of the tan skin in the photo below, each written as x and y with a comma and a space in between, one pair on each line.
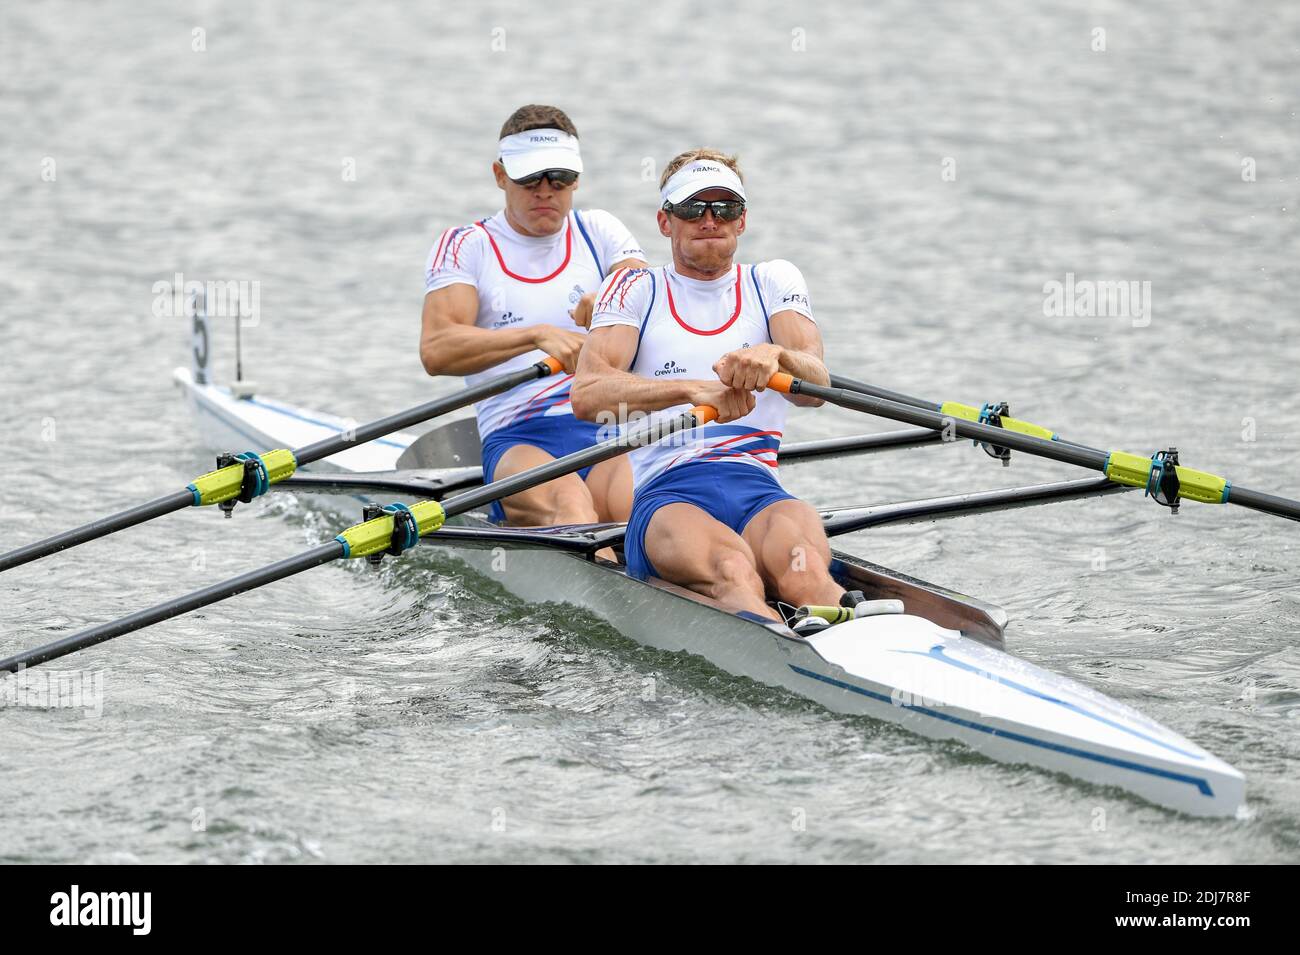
783, 549
451, 344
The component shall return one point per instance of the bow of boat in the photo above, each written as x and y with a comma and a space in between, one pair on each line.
942, 684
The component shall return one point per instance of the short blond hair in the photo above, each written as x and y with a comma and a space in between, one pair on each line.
537, 116
703, 152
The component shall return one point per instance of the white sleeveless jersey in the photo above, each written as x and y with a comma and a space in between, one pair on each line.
685, 326
527, 280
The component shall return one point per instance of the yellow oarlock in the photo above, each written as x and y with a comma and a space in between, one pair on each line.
955, 409
224, 484
376, 535
1135, 471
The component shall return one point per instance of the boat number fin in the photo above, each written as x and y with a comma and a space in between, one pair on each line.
201, 345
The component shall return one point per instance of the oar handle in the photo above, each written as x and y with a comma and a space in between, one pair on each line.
781, 382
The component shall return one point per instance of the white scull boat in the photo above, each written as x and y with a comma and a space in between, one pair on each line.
939, 669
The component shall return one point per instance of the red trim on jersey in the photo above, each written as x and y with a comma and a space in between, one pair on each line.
623, 279
568, 253
453, 247
441, 242
544, 400
696, 331
720, 450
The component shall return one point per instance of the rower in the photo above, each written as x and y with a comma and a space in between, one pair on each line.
708, 511
505, 291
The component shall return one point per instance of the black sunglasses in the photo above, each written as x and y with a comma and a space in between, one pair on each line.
558, 178
724, 210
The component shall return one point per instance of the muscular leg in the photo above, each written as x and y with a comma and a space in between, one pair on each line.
610, 485
792, 554
689, 547
565, 500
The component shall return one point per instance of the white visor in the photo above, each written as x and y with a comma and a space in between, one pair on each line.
535, 150
696, 177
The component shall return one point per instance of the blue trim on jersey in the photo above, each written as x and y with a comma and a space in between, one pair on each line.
732, 494
767, 319
557, 435
646, 320
600, 269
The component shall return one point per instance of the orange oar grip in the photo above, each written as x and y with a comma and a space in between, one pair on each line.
554, 364
781, 382
704, 413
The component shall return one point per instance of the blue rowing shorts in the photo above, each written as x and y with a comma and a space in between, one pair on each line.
557, 435
731, 493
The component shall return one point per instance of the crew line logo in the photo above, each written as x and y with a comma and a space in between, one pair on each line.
103, 908
669, 368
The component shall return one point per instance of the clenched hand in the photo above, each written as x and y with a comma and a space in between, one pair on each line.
749, 369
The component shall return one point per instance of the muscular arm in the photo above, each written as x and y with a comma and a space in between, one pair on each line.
604, 388
603, 383
800, 342
451, 344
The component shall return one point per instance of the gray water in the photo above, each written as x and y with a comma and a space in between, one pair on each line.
419, 714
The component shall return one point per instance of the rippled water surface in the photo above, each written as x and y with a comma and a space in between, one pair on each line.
418, 713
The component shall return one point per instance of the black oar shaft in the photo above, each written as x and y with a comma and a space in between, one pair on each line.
973, 430
1062, 451
653, 430
849, 519
174, 608
875, 391
861, 387
404, 419
167, 504
858, 444
1263, 501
